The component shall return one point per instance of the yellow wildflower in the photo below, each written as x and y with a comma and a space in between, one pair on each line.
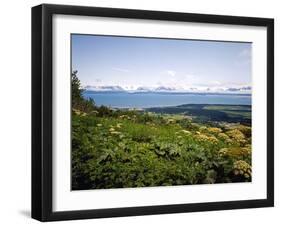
235, 151
246, 130
236, 135
223, 136
212, 139
243, 168
202, 137
214, 130
223, 151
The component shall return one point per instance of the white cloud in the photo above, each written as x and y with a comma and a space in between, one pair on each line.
120, 69
171, 73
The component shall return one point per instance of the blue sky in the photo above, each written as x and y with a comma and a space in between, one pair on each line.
183, 64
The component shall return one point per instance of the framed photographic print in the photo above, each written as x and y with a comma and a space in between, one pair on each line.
145, 112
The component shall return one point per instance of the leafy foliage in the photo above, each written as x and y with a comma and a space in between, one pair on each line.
116, 152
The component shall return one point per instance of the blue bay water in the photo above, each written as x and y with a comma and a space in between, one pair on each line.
146, 100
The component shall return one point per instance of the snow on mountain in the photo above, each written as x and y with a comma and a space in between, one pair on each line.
104, 88
163, 88
132, 89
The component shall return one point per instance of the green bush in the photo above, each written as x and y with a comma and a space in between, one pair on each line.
114, 152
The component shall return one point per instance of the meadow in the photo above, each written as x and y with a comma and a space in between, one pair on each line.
205, 113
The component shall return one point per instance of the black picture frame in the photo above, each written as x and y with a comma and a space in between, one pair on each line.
42, 111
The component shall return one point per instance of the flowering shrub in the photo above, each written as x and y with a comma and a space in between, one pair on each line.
236, 152
214, 130
206, 138
224, 137
123, 151
243, 169
236, 135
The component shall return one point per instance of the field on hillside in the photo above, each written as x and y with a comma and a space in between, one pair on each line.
210, 112
183, 145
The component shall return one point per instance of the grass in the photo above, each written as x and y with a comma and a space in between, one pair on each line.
205, 113
234, 114
228, 107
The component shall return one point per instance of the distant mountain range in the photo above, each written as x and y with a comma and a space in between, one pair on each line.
161, 89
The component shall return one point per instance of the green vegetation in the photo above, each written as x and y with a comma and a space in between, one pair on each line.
128, 148
215, 112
